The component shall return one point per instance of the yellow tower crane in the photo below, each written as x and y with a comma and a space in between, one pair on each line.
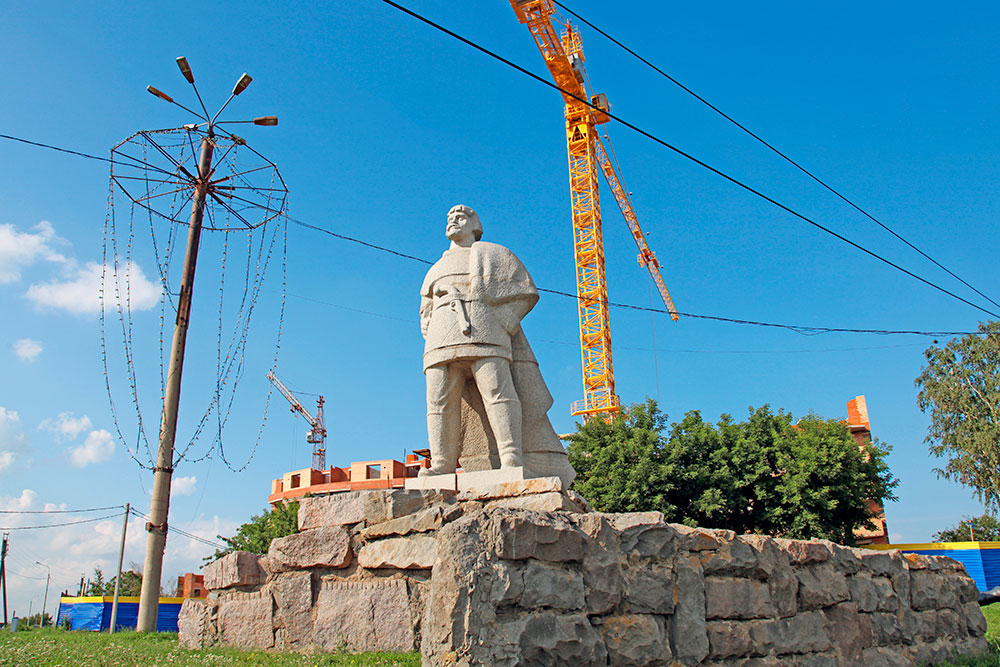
563, 55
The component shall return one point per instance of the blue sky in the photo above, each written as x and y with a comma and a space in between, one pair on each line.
385, 124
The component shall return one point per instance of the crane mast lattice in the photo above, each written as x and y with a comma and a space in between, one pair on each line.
564, 58
317, 435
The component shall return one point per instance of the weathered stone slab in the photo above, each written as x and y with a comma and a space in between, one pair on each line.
802, 552
733, 598
689, 633
360, 616
293, 602
522, 534
649, 590
246, 621
239, 568
447, 482
550, 639
850, 631
635, 639
551, 586
872, 593
729, 639
425, 520
388, 504
194, 627
553, 501
804, 633
507, 488
329, 546
335, 509
821, 586
700, 539
404, 553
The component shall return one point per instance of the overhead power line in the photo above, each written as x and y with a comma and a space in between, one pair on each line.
779, 153
682, 153
89, 509
775, 150
182, 533
808, 330
57, 525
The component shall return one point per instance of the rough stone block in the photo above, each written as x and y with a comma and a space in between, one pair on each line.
803, 633
404, 553
388, 504
872, 593
194, 626
329, 546
246, 620
851, 632
734, 558
887, 629
553, 501
803, 553
293, 603
732, 598
689, 635
975, 621
550, 639
602, 563
524, 534
653, 540
649, 591
335, 509
729, 639
424, 520
356, 616
884, 563
552, 586
239, 568
700, 539
635, 639
821, 586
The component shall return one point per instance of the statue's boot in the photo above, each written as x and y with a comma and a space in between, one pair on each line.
505, 420
442, 438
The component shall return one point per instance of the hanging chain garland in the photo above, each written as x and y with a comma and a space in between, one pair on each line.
151, 172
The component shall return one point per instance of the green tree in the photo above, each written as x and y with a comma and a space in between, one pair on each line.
960, 386
97, 585
255, 536
764, 475
985, 528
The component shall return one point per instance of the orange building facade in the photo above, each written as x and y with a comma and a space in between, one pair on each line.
857, 422
383, 474
191, 585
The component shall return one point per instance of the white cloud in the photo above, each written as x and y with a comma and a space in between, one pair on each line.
99, 446
23, 502
18, 250
27, 349
182, 486
13, 443
81, 293
66, 426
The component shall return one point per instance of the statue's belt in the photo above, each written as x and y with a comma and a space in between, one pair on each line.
458, 307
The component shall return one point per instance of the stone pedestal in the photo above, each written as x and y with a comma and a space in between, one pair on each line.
523, 572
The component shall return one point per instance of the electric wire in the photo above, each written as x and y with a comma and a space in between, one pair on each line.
792, 327
180, 532
684, 154
775, 150
57, 525
89, 509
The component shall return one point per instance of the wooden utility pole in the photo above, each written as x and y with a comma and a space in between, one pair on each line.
149, 598
118, 577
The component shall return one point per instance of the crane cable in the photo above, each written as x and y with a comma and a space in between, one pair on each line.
684, 154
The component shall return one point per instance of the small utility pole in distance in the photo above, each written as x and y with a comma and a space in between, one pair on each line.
149, 598
45, 600
3, 575
118, 577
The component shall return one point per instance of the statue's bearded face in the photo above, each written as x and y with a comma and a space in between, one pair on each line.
461, 227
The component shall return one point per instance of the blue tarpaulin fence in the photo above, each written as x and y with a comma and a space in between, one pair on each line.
981, 559
94, 613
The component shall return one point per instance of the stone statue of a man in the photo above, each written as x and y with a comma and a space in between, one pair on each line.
471, 304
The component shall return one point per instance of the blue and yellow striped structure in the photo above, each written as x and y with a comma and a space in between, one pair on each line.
94, 613
981, 559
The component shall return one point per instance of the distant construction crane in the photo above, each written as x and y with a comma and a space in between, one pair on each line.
317, 436
564, 58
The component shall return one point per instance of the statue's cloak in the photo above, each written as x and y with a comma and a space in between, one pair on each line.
543, 452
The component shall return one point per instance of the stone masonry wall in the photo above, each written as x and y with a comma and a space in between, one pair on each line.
523, 574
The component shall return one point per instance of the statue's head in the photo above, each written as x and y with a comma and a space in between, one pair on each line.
463, 225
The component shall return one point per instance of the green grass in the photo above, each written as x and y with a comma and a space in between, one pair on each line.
50, 647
